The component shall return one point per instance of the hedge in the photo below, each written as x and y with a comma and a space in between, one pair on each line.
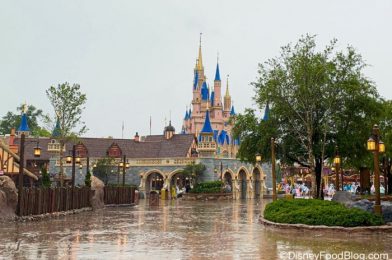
318, 212
208, 187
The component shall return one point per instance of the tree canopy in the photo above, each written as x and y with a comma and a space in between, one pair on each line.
36, 119
318, 100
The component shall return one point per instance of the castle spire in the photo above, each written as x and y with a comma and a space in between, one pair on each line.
217, 74
227, 87
200, 58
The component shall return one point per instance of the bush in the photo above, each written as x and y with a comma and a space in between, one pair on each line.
208, 187
46, 183
318, 212
87, 180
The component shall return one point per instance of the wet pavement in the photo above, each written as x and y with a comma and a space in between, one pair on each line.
176, 230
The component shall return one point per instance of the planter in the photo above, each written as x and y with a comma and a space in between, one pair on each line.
207, 196
349, 231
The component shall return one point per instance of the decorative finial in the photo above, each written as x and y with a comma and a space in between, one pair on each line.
200, 39
24, 110
217, 57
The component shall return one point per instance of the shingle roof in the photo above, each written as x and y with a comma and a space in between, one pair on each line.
155, 146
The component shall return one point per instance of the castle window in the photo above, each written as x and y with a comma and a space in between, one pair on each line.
114, 151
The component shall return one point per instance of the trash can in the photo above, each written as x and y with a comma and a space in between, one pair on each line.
154, 198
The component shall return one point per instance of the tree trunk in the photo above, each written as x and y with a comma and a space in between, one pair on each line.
318, 172
61, 154
389, 162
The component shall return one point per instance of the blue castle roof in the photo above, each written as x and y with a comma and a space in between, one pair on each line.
204, 91
57, 129
207, 129
217, 74
223, 138
186, 117
24, 127
266, 113
232, 112
190, 114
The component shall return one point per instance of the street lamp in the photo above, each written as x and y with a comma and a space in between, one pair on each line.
273, 169
37, 150
336, 161
258, 158
375, 145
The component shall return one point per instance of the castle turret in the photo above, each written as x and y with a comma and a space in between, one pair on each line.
207, 145
227, 101
24, 127
169, 131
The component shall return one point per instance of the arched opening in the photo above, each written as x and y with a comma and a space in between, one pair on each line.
242, 183
154, 181
228, 182
181, 183
256, 178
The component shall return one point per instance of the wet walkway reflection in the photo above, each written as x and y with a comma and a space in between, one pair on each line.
175, 230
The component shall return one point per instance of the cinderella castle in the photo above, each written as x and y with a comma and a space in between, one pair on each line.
210, 119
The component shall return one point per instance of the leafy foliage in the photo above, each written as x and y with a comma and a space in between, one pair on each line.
35, 116
87, 180
319, 212
194, 170
208, 187
103, 168
318, 99
46, 183
68, 104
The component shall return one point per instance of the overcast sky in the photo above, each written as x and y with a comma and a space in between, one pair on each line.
134, 58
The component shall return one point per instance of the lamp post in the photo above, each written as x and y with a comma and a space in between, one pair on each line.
375, 145
336, 161
258, 161
273, 169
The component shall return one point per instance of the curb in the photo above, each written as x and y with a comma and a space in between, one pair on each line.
366, 230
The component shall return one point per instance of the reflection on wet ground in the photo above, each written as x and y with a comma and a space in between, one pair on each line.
175, 230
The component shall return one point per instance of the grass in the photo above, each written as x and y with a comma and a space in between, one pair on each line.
318, 212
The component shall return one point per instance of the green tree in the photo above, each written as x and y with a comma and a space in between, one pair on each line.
87, 180
194, 170
68, 104
103, 168
46, 183
318, 99
36, 119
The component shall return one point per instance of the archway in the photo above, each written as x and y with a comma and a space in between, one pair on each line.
154, 181
228, 180
256, 179
182, 183
242, 183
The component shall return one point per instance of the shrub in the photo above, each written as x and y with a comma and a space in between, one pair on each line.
87, 180
208, 187
318, 212
46, 183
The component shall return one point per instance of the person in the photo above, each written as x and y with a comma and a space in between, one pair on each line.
173, 192
187, 187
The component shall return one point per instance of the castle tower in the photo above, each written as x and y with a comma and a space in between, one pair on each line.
216, 100
227, 101
206, 145
169, 131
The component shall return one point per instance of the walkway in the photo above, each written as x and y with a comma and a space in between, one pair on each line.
177, 230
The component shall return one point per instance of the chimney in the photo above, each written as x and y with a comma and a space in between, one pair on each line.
136, 137
11, 143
